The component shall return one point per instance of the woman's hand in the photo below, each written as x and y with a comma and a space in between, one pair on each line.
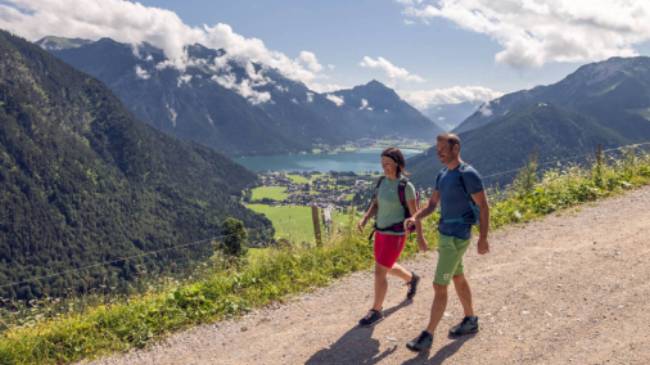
362, 223
423, 245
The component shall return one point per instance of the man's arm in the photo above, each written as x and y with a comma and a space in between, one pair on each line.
423, 212
422, 243
481, 200
430, 208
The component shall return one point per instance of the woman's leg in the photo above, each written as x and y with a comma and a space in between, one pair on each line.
381, 286
399, 271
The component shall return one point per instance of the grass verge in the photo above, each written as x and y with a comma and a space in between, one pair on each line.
280, 272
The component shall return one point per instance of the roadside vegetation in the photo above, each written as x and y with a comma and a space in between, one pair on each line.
234, 283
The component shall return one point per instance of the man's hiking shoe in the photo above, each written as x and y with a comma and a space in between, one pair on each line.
371, 318
421, 343
413, 286
468, 326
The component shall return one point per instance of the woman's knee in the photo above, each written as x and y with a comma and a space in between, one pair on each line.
381, 270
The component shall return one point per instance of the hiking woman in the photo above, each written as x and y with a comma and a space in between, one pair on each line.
393, 201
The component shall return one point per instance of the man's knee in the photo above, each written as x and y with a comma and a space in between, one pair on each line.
439, 289
459, 279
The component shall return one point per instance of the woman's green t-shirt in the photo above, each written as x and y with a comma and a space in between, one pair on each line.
390, 211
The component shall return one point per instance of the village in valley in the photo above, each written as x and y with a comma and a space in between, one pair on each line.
337, 189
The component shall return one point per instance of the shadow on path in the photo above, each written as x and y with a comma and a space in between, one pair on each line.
356, 346
443, 353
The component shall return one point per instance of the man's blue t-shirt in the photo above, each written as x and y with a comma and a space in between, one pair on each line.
454, 201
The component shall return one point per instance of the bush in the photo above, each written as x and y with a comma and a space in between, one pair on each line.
234, 240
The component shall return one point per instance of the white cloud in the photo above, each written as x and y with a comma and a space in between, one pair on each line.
172, 114
423, 99
338, 100
309, 60
326, 87
533, 33
183, 79
243, 88
394, 73
141, 73
134, 23
364, 104
485, 110
282, 89
409, 2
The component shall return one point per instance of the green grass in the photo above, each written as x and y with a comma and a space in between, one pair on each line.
298, 179
291, 222
277, 193
294, 223
272, 274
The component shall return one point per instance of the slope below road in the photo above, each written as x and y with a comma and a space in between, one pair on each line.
572, 288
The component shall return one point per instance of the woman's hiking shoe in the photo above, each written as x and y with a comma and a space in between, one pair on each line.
468, 326
371, 318
413, 286
421, 343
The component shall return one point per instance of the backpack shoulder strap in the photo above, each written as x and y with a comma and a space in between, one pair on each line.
462, 181
401, 190
374, 193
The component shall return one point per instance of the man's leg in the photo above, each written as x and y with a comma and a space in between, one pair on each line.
424, 341
448, 258
447, 262
469, 324
464, 294
438, 307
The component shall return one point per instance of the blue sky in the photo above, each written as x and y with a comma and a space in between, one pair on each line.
430, 51
343, 32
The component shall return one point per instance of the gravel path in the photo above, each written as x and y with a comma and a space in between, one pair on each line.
572, 288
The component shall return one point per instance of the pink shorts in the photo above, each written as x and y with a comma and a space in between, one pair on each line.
388, 248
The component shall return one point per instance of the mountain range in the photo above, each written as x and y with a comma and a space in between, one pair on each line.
450, 116
605, 103
239, 107
83, 181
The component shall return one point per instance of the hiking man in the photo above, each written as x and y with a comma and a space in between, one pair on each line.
394, 200
463, 201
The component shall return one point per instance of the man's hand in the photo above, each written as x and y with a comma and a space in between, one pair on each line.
408, 223
483, 246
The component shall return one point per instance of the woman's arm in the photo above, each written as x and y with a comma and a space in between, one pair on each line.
422, 243
372, 211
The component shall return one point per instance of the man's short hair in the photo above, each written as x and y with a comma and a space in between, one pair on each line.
450, 138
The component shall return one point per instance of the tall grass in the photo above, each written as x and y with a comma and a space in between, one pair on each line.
232, 290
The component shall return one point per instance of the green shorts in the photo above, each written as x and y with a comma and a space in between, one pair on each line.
450, 258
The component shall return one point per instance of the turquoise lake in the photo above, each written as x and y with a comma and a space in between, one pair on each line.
361, 161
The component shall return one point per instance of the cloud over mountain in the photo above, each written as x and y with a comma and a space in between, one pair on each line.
422, 99
393, 72
132, 22
533, 33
